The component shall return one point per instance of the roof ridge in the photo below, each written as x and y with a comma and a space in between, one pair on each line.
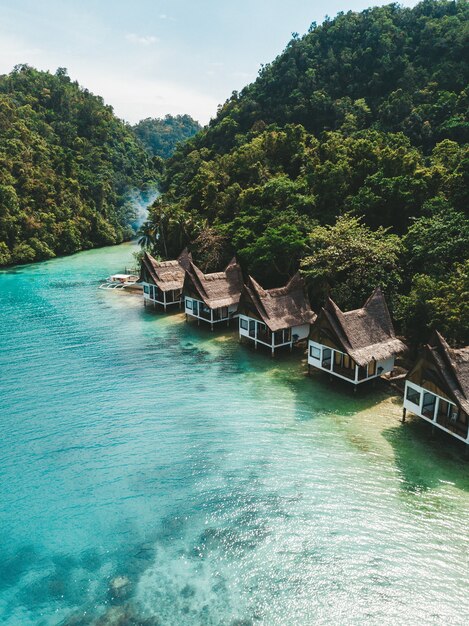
448, 358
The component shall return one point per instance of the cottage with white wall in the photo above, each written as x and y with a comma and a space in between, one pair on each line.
163, 280
274, 317
357, 345
212, 298
437, 387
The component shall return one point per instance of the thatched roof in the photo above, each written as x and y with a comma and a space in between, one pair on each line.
283, 307
167, 275
365, 333
218, 289
453, 365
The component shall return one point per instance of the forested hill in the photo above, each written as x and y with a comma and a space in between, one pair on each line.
357, 127
66, 167
160, 136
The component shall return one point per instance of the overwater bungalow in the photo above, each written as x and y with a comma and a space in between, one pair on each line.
275, 317
355, 346
163, 280
437, 387
212, 298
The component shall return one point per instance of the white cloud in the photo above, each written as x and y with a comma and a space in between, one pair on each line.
134, 98
142, 40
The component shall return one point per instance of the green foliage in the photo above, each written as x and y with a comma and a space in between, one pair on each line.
146, 236
348, 260
366, 115
274, 255
439, 304
66, 167
160, 136
435, 242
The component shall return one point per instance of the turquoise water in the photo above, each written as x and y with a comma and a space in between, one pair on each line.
221, 486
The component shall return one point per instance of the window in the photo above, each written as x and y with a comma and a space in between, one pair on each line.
146, 289
428, 405
327, 358
315, 352
412, 395
243, 323
189, 305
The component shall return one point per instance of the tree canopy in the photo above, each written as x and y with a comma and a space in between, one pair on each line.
362, 121
160, 136
67, 164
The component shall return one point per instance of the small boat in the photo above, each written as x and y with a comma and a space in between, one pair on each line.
122, 281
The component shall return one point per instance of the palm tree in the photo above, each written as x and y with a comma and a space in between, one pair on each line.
146, 235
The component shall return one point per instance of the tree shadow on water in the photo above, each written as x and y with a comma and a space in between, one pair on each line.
427, 459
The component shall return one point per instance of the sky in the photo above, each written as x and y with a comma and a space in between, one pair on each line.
148, 58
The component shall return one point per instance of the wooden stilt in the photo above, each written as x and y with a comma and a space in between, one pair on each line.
404, 413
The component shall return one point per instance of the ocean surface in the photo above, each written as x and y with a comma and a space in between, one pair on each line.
155, 473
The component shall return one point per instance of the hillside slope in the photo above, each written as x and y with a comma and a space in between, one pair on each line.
160, 136
364, 117
66, 167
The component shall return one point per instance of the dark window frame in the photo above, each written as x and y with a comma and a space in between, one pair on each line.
411, 391
316, 349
